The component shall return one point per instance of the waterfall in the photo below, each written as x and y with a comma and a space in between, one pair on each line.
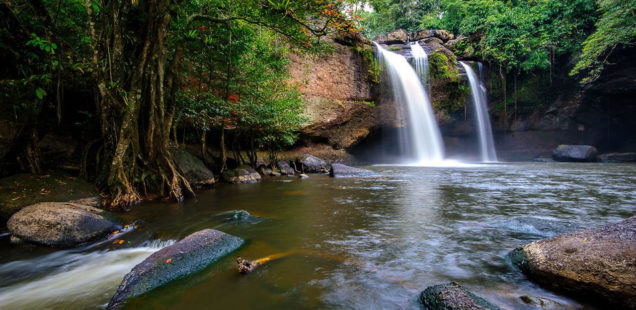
421, 63
421, 141
478, 90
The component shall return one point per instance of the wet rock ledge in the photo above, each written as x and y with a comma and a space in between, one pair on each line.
452, 296
597, 264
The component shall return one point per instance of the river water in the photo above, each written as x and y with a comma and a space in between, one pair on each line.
354, 243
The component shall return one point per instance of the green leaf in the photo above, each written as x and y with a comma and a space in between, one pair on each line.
40, 93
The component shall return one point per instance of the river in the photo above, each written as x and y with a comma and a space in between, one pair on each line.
356, 243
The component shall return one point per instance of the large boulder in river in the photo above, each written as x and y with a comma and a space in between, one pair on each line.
452, 296
311, 164
595, 264
579, 153
241, 175
395, 36
340, 170
59, 224
194, 169
285, 168
188, 256
21, 190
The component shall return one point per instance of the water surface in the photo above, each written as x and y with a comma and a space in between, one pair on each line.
356, 243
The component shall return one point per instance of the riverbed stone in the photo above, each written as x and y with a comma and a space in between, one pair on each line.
340, 170
184, 258
617, 157
285, 168
194, 169
576, 153
311, 164
59, 224
241, 175
597, 264
21, 190
452, 296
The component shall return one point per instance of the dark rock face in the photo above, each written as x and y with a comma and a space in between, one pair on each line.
241, 175
59, 224
452, 296
195, 170
594, 264
21, 190
186, 257
311, 164
285, 168
340, 170
617, 158
579, 153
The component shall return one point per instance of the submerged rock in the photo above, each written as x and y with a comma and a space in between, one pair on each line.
21, 190
340, 170
188, 256
311, 164
59, 224
452, 296
543, 160
194, 169
595, 264
579, 153
242, 175
285, 168
617, 157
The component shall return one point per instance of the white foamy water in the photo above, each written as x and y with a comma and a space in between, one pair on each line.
67, 280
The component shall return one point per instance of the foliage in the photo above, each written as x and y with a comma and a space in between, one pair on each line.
616, 27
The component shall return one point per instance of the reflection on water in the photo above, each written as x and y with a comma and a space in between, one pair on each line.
360, 243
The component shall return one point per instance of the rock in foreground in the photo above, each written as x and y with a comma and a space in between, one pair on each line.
596, 264
452, 296
188, 256
242, 175
577, 153
340, 170
285, 168
311, 164
59, 224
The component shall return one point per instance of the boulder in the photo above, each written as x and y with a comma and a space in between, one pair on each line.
285, 168
21, 190
452, 296
241, 175
443, 35
194, 169
452, 44
59, 224
578, 153
186, 257
340, 170
617, 157
395, 36
311, 164
421, 34
597, 264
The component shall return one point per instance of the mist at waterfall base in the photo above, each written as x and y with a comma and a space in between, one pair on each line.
414, 138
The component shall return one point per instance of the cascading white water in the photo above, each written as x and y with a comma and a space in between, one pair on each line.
421, 63
478, 90
67, 279
421, 140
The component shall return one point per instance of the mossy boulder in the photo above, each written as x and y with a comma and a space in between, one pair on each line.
194, 169
186, 257
452, 296
598, 264
21, 190
576, 153
59, 224
241, 175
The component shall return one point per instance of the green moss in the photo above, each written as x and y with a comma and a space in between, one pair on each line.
442, 68
395, 48
369, 61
